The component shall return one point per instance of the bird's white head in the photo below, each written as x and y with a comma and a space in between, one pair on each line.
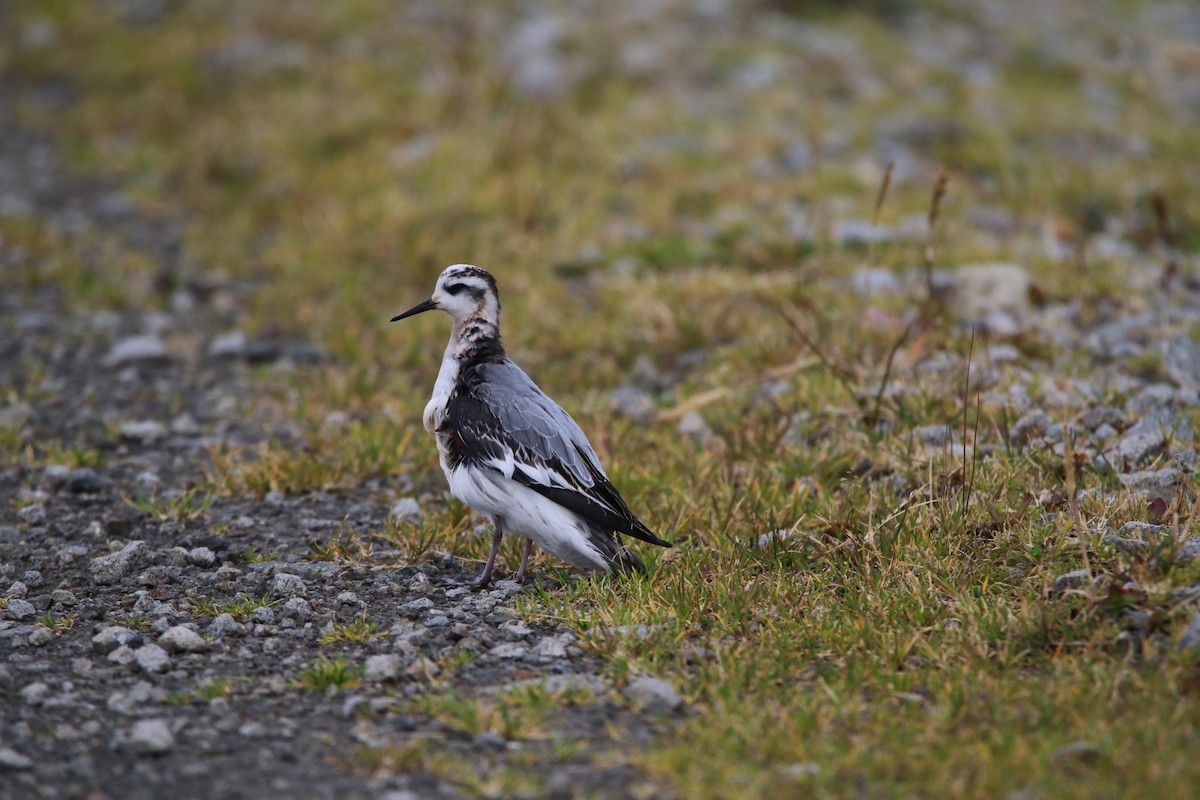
463, 291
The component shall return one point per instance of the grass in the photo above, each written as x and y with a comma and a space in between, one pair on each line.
900, 636
358, 630
326, 674
240, 607
211, 689
173, 506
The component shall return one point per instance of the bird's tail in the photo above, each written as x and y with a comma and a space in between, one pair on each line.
621, 559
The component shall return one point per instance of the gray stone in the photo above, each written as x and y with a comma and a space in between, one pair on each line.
35, 693
113, 637
1191, 637
123, 655
226, 625
652, 695
31, 577
182, 639
113, 567
875, 281
418, 606
41, 637
1158, 483
228, 345
692, 426
1181, 360
263, 615
202, 557
979, 289
152, 659
437, 621
85, 480
1075, 579
151, 737
297, 609
136, 350
1029, 427
406, 509
21, 609
287, 585
12, 760
384, 667
633, 402
145, 431
33, 514
54, 477
509, 650
17, 589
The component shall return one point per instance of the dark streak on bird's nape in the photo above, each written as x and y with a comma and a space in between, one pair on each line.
479, 342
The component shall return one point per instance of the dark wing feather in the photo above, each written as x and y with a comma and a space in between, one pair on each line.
478, 437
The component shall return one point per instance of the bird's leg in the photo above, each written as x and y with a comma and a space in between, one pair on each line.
520, 576
485, 577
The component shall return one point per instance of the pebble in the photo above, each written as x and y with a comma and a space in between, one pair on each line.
111, 568
285, 584
17, 589
21, 609
113, 637
652, 695
12, 760
152, 659
85, 480
1191, 636
634, 403
151, 737
182, 639
33, 515
144, 431
384, 667
41, 637
202, 557
35, 693
1181, 361
226, 625
692, 426
297, 609
33, 578
263, 615
509, 650
406, 509
136, 350
1071, 580
228, 345
1154, 484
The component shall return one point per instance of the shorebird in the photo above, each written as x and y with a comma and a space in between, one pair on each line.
509, 451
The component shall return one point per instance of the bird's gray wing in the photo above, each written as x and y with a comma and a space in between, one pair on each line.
477, 436
538, 425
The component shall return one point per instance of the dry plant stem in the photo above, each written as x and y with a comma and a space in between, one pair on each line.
1071, 471
935, 205
873, 418
842, 373
879, 198
1166, 236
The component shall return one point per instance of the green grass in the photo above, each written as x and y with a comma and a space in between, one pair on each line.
173, 506
901, 638
326, 673
358, 630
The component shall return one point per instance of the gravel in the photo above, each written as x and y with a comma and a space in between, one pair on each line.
652, 695
151, 737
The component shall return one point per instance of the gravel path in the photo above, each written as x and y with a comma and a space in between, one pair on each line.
145, 693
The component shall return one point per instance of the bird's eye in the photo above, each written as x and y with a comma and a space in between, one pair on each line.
455, 288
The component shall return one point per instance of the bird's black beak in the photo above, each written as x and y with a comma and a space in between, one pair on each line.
417, 309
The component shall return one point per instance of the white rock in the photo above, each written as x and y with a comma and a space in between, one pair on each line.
113, 567
151, 737
382, 668
136, 349
152, 659
406, 509
652, 695
182, 639
287, 585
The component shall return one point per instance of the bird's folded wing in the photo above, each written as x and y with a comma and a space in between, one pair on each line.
549, 465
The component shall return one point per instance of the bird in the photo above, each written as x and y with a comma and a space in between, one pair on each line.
512, 453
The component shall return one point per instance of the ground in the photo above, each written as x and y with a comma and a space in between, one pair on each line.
885, 313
